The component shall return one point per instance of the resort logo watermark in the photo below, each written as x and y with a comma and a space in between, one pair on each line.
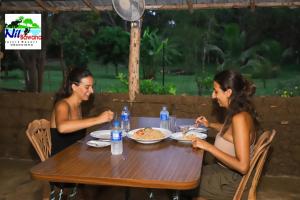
23, 31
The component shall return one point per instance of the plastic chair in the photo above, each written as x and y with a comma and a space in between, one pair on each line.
257, 162
38, 132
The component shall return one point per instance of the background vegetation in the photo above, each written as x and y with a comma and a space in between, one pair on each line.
180, 51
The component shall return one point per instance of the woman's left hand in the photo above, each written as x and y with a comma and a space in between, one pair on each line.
199, 143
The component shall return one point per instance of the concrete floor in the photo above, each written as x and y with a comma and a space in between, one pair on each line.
16, 184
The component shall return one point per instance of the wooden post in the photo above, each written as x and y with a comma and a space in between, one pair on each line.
134, 60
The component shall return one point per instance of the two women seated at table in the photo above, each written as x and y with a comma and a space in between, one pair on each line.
233, 145
235, 139
67, 124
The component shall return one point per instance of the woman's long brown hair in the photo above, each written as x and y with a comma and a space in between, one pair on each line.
74, 77
240, 100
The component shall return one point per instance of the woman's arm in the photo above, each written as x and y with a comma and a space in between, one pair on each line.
241, 126
66, 125
217, 126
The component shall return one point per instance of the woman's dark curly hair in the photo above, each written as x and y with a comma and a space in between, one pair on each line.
240, 99
74, 77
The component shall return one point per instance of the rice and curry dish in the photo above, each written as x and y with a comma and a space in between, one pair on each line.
148, 134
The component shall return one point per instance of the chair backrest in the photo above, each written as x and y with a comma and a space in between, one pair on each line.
256, 165
38, 132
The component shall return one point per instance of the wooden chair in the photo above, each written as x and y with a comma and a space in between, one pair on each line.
257, 162
38, 132
261, 150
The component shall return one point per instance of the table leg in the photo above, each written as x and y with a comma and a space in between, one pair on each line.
127, 193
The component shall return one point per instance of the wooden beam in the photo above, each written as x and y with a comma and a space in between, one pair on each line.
90, 4
45, 6
9, 6
134, 60
197, 6
16, 8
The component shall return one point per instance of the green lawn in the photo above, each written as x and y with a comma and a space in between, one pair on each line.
106, 81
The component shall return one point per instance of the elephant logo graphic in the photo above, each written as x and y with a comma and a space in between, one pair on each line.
23, 31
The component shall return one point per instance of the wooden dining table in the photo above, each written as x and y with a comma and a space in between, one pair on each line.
168, 164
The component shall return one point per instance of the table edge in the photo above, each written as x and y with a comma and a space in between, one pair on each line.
119, 182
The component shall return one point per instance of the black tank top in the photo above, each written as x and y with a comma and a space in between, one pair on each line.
61, 141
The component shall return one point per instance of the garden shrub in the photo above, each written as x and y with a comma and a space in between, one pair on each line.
204, 82
146, 86
288, 88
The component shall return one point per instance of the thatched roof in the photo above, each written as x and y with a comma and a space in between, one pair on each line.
102, 5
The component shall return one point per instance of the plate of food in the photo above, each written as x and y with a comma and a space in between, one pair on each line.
104, 134
97, 143
189, 136
148, 135
188, 128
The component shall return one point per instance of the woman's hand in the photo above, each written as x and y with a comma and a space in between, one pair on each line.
202, 121
199, 143
106, 116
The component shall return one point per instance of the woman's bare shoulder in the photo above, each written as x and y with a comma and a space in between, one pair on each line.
241, 116
62, 104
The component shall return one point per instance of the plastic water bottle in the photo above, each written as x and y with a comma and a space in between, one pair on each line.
164, 118
125, 119
116, 139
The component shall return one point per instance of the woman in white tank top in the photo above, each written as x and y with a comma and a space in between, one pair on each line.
235, 139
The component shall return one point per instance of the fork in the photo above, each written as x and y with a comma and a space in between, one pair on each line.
184, 132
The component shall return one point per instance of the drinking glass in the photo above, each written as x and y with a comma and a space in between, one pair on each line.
172, 123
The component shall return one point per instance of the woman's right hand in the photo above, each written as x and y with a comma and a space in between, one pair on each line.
106, 116
202, 121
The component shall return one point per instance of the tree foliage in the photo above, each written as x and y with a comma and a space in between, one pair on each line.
111, 45
155, 51
256, 42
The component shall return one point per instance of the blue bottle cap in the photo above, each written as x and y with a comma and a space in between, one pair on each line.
116, 123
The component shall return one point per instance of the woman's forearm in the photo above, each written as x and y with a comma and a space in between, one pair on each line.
216, 126
70, 126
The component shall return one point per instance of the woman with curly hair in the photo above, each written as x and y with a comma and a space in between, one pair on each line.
234, 142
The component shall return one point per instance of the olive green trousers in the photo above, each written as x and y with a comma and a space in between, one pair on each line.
216, 183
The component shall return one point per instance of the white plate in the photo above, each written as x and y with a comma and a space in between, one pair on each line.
166, 133
97, 143
179, 136
198, 129
104, 134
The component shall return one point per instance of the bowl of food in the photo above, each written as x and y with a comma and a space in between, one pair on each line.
148, 135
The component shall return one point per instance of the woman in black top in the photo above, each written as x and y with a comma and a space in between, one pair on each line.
67, 125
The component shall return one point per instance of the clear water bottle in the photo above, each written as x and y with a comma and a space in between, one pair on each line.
116, 139
125, 119
164, 118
